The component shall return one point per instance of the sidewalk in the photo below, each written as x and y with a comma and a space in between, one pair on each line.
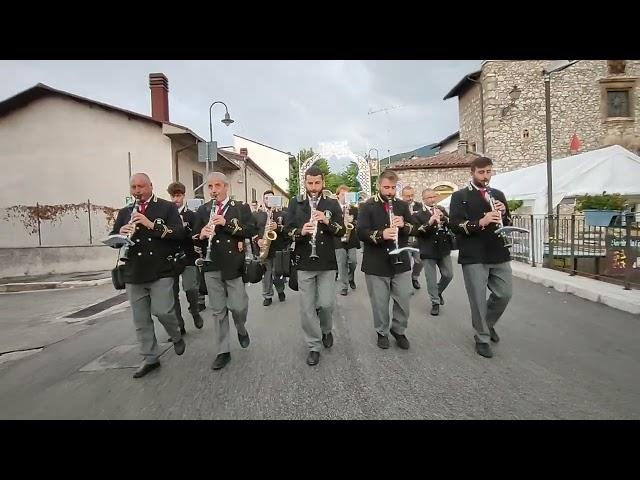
56, 280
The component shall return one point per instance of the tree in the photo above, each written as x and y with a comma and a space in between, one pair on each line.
350, 177
303, 155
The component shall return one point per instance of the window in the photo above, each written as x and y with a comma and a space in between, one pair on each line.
525, 134
253, 195
472, 148
618, 103
198, 179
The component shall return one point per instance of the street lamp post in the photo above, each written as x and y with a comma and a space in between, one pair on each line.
226, 120
547, 98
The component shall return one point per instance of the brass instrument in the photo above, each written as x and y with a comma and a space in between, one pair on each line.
200, 261
313, 197
124, 256
268, 237
347, 225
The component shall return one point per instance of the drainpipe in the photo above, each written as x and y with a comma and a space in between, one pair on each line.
176, 159
481, 109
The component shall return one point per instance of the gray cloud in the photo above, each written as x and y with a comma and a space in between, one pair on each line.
286, 104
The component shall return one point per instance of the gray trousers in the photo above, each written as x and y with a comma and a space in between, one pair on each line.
190, 286
226, 296
269, 280
485, 313
416, 261
347, 262
381, 290
434, 288
317, 299
153, 298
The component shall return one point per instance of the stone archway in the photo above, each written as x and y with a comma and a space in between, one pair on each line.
341, 150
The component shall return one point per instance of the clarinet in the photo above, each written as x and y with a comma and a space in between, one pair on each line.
208, 259
125, 250
397, 240
314, 206
505, 240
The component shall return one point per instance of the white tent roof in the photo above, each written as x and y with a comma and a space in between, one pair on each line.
612, 169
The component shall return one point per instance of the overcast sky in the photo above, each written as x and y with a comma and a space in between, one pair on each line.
285, 104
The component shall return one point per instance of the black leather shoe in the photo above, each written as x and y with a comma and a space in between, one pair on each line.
352, 284
220, 361
146, 368
183, 331
201, 307
327, 340
344, 292
484, 349
441, 299
197, 320
313, 358
416, 283
435, 309
244, 340
281, 296
494, 335
401, 340
383, 341
267, 302
179, 347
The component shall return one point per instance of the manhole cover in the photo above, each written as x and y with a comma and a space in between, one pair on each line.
99, 307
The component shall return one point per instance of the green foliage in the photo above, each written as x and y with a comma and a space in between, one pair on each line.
332, 180
613, 201
514, 205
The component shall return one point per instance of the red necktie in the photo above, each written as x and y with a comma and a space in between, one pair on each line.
219, 209
483, 192
386, 207
143, 207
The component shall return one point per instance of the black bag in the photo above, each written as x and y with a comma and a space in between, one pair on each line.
179, 262
117, 274
293, 274
202, 286
282, 263
253, 271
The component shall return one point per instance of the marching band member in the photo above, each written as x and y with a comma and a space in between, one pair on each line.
156, 229
223, 231
313, 221
414, 207
346, 247
483, 255
388, 276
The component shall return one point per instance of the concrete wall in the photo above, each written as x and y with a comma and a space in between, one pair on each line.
16, 262
60, 151
273, 162
187, 164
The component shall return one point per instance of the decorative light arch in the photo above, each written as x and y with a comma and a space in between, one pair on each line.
342, 150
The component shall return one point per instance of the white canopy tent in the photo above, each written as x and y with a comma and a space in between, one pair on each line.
612, 169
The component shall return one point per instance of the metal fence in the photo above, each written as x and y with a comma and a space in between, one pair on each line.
604, 253
41, 225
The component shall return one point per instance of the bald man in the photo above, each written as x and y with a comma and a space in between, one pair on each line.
408, 194
149, 272
223, 229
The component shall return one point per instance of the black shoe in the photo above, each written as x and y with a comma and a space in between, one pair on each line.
146, 368
383, 341
441, 299
267, 302
197, 320
352, 284
435, 309
401, 340
244, 340
416, 283
327, 340
313, 358
494, 335
344, 292
183, 331
220, 361
281, 296
484, 349
179, 347
201, 307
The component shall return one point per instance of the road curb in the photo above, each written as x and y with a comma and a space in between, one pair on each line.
37, 286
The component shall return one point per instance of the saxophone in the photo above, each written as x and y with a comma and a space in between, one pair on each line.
348, 225
268, 237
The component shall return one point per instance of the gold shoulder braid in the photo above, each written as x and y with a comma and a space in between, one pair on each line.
236, 226
464, 226
374, 236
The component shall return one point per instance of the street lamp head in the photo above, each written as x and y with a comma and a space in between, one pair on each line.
514, 94
227, 119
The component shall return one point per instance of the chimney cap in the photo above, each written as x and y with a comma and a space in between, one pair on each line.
158, 80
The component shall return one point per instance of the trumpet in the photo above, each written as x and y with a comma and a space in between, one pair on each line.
201, 261
124, 256
314, 205
268, 237
347, 225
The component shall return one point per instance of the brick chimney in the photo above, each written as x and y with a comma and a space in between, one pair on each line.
463, 147
244, 152
159, 85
